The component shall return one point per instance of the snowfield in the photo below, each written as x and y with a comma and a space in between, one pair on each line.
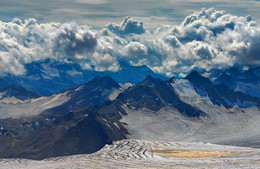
222, 126
15, 108
232, 126
150, 154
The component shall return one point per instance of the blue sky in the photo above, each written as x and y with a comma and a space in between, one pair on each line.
98, 13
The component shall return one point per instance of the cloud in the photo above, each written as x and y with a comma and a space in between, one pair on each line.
73, 40
21, 42
94, 2
128, 26
84, 46
101, 12
206, 39
134, 49
135, 53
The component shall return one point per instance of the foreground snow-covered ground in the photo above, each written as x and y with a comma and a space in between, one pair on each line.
151, 154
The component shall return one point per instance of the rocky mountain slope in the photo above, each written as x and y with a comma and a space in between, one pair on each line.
85, 118
220, 94
14, 92
40, 135
48, 77
247, 81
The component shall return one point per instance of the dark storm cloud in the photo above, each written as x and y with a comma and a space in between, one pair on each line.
72, 40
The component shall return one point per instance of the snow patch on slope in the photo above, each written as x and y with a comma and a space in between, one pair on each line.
2, 94
116, 92
185, 90
11, 100
31, 107
126, 85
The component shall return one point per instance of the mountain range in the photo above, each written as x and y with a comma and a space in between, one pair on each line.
49, 77
84, 118
247, 81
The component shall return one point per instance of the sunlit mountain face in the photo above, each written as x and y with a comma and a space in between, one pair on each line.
77, 81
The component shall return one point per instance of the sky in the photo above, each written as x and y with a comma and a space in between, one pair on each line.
98, 13
170, 37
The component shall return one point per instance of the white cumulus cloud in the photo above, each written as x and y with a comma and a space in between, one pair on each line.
206, 39
128, 26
